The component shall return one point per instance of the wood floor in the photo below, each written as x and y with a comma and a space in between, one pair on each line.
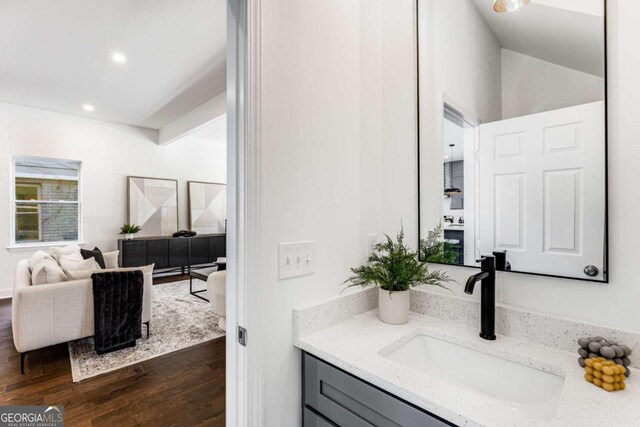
184, 388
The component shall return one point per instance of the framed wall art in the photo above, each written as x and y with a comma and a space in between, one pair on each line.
207, 207
153, 205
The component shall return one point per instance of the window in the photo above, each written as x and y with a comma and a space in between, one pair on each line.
46, 201
27, 214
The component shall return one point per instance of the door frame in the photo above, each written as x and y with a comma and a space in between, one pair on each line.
243, 369
469, 120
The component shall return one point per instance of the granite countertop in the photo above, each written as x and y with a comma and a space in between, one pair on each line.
358, 345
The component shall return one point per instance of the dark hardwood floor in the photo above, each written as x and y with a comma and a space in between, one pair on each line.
184, 388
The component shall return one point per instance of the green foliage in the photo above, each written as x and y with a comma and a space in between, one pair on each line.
434, 249
130, 229
394, 267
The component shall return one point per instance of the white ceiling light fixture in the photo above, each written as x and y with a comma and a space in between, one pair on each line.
88, 107
504, 6
119, 58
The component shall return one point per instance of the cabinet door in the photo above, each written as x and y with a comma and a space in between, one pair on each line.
133, 253
349, 401
200, 251
217, 247
178, 252
158, 253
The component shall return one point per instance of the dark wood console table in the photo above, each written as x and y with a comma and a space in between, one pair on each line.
172, 252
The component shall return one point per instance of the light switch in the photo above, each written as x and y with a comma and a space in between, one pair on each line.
296, 259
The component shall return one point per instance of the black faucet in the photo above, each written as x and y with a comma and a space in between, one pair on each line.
488, 296
501, 261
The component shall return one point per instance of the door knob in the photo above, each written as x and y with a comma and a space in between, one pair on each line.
591, 270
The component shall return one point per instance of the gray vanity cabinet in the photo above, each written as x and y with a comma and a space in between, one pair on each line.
332, 397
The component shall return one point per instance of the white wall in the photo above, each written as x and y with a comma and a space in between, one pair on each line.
109, 153
338, 156
531, 85
459, 62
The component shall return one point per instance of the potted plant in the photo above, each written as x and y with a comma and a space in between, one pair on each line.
394, 268
129, 230
436, 249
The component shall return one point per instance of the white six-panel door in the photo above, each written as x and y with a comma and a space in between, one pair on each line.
542, 190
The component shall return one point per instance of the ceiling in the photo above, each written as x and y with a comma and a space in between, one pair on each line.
56, 55
564, 32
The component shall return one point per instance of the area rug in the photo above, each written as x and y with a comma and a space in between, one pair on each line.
180, 320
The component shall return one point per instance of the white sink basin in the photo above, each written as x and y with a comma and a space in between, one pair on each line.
521, 388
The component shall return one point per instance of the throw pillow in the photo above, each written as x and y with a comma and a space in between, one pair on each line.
111, 259
86, 274
68, 263
70, 251
47, 271
95, 253
39, 255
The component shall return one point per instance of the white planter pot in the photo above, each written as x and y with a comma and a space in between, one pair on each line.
129, 236
394, 306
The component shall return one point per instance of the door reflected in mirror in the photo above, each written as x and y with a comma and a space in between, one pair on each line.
513, 135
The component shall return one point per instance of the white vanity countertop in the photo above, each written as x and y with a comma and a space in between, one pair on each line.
357, 345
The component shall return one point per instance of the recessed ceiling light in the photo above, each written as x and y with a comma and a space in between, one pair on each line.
88, 107
118, 57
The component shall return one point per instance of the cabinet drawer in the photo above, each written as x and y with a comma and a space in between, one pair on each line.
158, 253
349, 401
311, 419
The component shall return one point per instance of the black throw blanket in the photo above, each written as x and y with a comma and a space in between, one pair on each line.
117, 309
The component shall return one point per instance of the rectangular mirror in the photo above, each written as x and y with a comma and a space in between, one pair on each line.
512, 135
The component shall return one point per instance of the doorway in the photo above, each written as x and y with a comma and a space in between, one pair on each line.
459, 137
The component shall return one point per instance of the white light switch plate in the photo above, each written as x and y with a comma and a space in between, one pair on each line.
296, 259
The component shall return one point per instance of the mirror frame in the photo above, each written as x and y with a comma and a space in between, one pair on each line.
606, 273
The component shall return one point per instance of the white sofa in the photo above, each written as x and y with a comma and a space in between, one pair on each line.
217, 293
44, 315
